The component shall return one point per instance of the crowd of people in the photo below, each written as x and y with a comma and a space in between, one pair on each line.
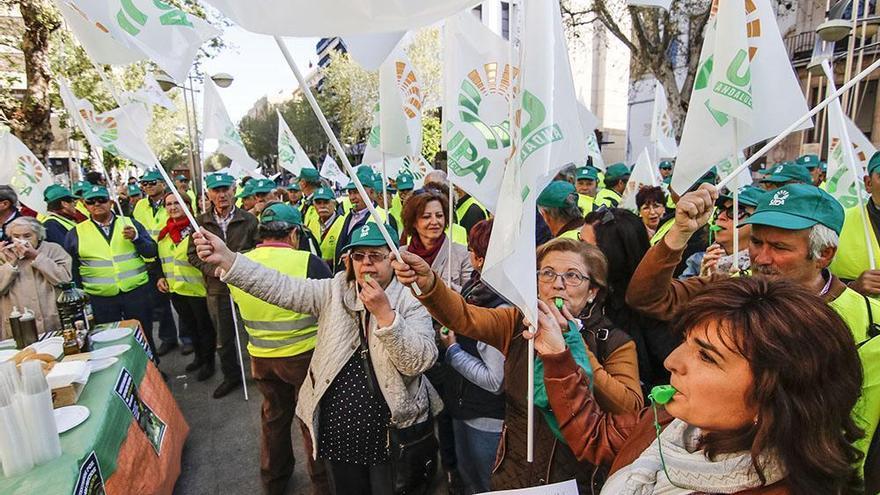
391, 367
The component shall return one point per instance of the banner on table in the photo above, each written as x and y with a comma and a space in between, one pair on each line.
848, 154
745, 90
291, 156
479, 80
217, 125
90, 480
23, 172
152, 426
644, 174
662, 129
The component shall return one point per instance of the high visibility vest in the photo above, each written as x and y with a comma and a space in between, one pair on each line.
65, 222
192, 201
852, 254
81, 207
586, 203
851, 307
465, 205
275, 332
396, 209
109, 268
153, 222
459, 234
312, 221
607, 197
182, 278
346, 205
570, 234
662, 230
328, 242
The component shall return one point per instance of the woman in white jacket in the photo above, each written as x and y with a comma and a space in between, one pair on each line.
347, 417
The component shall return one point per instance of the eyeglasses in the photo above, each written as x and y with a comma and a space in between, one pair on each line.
94, 201
743, 214
374, 257
571, 278
149, 182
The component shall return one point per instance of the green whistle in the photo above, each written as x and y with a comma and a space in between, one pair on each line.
558, 302
444, 330
662, 394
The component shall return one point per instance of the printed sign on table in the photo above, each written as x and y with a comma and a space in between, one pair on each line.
152, 426
90, 480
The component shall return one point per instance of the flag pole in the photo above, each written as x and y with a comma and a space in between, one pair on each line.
797, 123
449, 236
385, 186
734, 268
307, 91
238, 346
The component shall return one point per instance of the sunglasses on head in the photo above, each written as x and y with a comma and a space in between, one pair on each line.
99, 201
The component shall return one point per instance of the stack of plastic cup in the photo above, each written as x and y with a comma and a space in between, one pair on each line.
15, 453
37, 405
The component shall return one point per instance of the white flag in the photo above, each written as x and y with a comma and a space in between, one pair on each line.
547, 135
23, 172
848, 154
330, 171
644, 174
417, 167
160, 31
594, 152
336, 18
650, 3
370, 50
662, 130
478, 85
291, 156
151, 94
218, 125
372, 152
400, 106
123, 132
98, 43
758, 81
726, 166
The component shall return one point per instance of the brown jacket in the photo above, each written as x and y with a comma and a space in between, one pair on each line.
33, 285
241, 236
501, 328
606, 440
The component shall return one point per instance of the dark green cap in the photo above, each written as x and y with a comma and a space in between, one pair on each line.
558, 194
280, 212
293, 186
152, 174
134, 190
873, 163
588, 173
246, 191
351, 187
615, 172
405, 182
709, 177
95, 192
788, 172
324, 192
370, 235
748, 196
665, 165
79, 187
797, 207
262, 186
219, 179
808, 161
309, 174
181, 177
56, 192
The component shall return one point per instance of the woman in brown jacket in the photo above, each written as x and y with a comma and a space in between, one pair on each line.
765, 382
575, 272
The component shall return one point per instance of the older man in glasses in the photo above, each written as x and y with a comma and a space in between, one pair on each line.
108, 254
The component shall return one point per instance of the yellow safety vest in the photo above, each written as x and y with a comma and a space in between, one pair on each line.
274, 332
851, 307
108, 268
346, 205
571, 234
662, 230
466, 205
65, 222
607, 197
852, 254
153, 222
81, 207
459, 234
182, 278
192, 201
586, 203
328, 242
312, 221
396, 209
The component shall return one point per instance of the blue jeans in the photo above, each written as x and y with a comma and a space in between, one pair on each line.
475, 451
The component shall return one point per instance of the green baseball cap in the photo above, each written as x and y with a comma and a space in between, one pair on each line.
370, 235
280, 212
325, 193
710, 177
219, 179
873, 163
616, 172
293, 186
665, 165
79, 187
797, 207
182, 177
405, 182
151, 174
96, 192
262, 186
748, 196
824, 166
56, 192
309, 174
809, 161
788, 172
558, 194
134, 190
588, 173
246, 191
351, 187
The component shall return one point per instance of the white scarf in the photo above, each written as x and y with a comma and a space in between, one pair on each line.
690, 471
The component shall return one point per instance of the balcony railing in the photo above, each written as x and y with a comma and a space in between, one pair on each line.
800, 46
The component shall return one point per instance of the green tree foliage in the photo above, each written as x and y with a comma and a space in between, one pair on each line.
260, 136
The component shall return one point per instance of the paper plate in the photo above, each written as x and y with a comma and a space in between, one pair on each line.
112, 334
108, 352
53, 346
69, 417
102, 364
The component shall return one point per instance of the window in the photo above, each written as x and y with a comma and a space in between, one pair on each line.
505, 20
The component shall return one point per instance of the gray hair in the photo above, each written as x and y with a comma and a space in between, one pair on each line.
7, 193
821, 238
32, 223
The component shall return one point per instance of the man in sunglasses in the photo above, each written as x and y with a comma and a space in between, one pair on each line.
238, 229
108, 254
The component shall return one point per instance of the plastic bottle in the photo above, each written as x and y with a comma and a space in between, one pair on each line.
37, 403
71, 343
15, 453
28, 327
70, 305
15, 326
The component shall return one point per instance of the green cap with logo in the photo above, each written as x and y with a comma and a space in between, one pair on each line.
370, 235
246, 191
665, 165
405, 182
324, 193
134, 190
874, 163
56, 192
558, 194
79, 187
95, 192
219, 179
262, 186
280, 212
748, 196
809, 161
616, 172
309, 174
588, 173
150, 175
788, 172
797, 207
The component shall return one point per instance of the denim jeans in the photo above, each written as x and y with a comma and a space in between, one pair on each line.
475, 451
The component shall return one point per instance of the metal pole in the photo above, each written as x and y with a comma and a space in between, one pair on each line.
202, 192
854, 108
850, 50
238, 347
192, 155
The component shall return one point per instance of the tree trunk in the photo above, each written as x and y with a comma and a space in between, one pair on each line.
35, 128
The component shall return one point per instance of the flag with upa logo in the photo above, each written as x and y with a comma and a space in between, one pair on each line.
218, 126
744, 91
156, 30
291, 156
23, 172
400, 106
479, 80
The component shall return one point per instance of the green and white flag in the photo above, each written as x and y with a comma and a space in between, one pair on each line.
291, 156
330, 170
745, 90
218, 127
23, 172
159, 31
662, 130
547, 135
644, 174
479, 80
848, 154
400, 106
